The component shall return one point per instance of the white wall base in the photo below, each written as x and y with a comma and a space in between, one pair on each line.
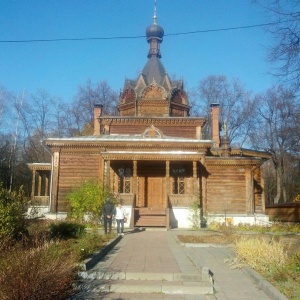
180, 217
56, 216
63, 215
36, 211
234, 219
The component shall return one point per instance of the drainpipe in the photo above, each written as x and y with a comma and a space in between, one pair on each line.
51, 177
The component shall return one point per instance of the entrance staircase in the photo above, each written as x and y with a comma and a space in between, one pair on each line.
97, 285
150, 217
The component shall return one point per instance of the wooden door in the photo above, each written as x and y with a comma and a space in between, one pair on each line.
155, 192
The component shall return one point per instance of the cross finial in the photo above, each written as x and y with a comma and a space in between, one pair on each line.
154, 17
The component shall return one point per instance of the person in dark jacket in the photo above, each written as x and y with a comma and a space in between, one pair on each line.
108, 211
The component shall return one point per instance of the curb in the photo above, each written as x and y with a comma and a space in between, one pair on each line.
264, 285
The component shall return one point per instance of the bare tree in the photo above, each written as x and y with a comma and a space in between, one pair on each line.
36, 114
278, 133
236, 106
5, 98
284, 54
83, 104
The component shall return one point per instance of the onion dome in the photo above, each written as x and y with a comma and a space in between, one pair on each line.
154, 31
154, 34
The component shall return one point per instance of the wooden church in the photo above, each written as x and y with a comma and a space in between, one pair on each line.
154, 157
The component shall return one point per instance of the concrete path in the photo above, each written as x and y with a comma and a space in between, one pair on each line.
153, 264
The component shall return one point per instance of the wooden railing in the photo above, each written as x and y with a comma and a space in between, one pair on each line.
286, 212
184, 200
39, 201
126, 199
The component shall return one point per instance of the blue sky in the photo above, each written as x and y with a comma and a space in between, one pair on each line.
59, 67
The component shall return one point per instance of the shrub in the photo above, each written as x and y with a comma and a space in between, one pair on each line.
87, 199
12, 209
66, 230
40, 268
40, 273
194, 215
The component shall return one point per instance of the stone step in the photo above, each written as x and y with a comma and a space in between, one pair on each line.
152, 211
146, 220
147, 283
145, 287
190, 277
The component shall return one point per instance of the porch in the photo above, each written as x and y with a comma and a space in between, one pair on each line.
167, 217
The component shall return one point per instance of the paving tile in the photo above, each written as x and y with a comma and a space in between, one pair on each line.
157, 252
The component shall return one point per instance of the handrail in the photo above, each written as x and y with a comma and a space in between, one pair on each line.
168, 218
132, 219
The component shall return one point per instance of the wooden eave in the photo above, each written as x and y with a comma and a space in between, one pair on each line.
144, 144
141, 147
250, 153
154, 156
39, 166
232, 161
241, 152
166, 121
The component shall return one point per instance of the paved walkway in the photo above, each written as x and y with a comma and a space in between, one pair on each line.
159, 252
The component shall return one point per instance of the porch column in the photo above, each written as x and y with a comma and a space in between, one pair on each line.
262, 184
47, 185
134, 181
33, 184
106, 172
39, 184
111, 178
195, 183
203, 187
54, 200
167, 182
249, 191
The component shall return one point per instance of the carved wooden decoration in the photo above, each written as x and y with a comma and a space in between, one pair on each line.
152, 132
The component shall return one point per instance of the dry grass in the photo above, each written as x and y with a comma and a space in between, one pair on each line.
208, 239
261, 254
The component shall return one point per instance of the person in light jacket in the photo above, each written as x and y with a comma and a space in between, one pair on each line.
120, 215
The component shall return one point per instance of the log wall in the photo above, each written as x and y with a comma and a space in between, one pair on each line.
226, 190
75, 169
